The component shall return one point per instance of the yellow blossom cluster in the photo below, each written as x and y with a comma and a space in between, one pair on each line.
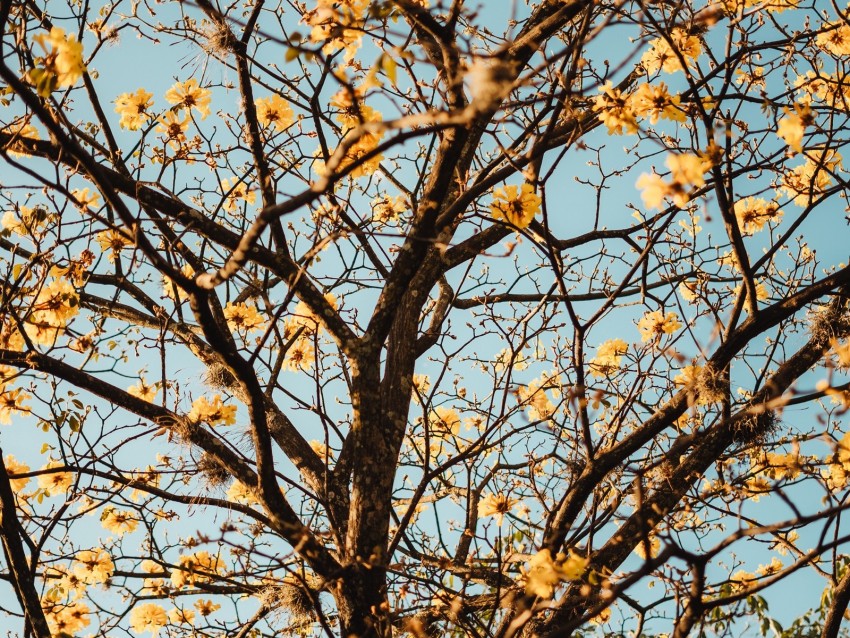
28, 221
238, 492
212, 412
62, 64
118, 522
20, 129
13, 466
804, 183
533, 397
352, 112
620, 112
834, 38
55, 483
655, 324
93, 566
243, 318
544, 573
302, 352
134, 109
195, 568
443, 427
351, 108
54, 306
753, 213
608, 358
774, 6
12, 402
386, 210
338, 25
687, 171
148, 617
517, 206
235, 190
666, 53
66, 619
170, 287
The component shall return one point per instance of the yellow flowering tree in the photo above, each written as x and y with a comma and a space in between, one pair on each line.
372, 319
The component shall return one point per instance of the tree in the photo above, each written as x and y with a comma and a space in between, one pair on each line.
386, 318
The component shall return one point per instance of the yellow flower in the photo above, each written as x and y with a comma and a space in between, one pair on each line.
195, 568
653, 190
834, 38
143, 391
654, 547
57, 302
118, 522
67, 618
93, 566
240, 493
206, 607
608, 357
243, 317
507, 358
352, 111
12, 401
32, 221
535, 400
189, 95
169, 287
661, 56
87, 200
173, 129
148, 617
515, 206
14, 467
686, 171
114, 240
386, 210
653, 325
214, 412
21, 129
235, 191
495, 505
301, 354
544, 573
792, 127
274, 110
615, 110
365, 145
443, 426
181, 616
133, 108
655, 102
55, 482
753, 213
62, 64
339, 24
809, 180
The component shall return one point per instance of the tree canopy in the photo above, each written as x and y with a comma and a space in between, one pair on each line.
417, 317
